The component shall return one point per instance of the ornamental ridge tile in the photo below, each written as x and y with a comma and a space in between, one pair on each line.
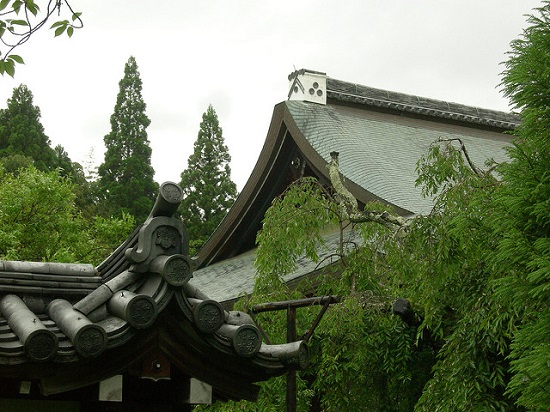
344, 91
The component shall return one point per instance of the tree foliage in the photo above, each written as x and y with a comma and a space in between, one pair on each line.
39, 221
451, 355
208, 189
23, 143
523, 253
20, 19
357, 345
126, 175
22, 133
476, 271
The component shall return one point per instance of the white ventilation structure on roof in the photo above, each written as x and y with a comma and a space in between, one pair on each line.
308, 86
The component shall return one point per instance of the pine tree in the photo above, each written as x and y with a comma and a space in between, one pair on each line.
206, 183
21, 132
126, 175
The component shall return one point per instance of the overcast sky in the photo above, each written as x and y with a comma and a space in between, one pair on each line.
237, 54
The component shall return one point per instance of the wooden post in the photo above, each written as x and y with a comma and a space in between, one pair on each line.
291, 306
291, 374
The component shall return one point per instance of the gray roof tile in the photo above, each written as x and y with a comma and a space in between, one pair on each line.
357, 93
231, 278
380, 154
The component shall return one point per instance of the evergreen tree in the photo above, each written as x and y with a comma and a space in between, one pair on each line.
64, 163
206, 183
21, 132
126, 175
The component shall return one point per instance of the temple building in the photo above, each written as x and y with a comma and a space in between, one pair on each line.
151, 329
131, 331
379, 135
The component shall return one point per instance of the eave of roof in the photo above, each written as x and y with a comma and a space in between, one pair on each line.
379, 150
237, 232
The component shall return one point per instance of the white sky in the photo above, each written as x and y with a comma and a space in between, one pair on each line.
237, 54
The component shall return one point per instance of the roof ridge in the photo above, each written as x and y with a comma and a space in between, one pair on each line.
346, 91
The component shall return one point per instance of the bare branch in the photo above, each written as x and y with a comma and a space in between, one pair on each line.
462, 149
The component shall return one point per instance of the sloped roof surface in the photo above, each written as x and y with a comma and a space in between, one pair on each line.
231, 278
379, 151
227, 279
379, 135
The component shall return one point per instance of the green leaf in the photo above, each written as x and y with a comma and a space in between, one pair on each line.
76, 16
32, 7
59, 23
4, 4
19, 22
70, 31
16, 6
9, 67
16, 58
60, 30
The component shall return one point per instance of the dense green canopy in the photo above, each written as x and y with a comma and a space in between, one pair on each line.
39, 221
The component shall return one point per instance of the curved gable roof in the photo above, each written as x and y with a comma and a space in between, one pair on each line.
379, 134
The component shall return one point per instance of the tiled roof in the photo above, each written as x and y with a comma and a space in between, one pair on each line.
378, 152
345, 91
379, 134
231, 278
55, 314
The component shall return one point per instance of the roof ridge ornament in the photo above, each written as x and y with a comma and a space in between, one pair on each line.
308, 86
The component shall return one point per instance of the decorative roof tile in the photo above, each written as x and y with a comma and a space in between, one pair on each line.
56, 319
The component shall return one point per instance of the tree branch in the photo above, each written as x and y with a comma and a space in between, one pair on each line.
349, 205
462, 149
